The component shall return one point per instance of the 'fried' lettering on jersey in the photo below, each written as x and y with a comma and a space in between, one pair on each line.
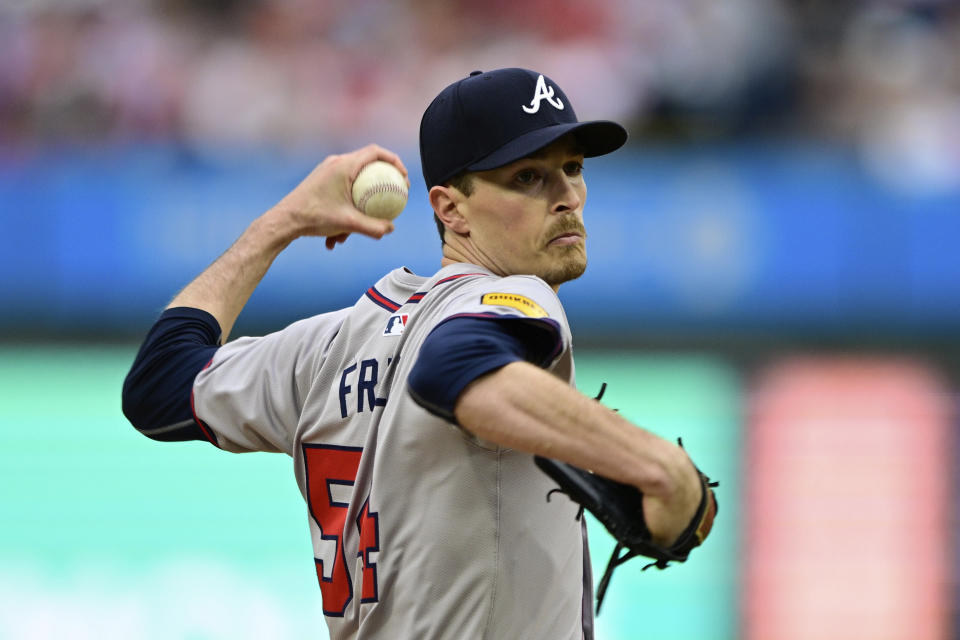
366, 382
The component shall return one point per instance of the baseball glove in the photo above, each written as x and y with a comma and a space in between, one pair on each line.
619, 507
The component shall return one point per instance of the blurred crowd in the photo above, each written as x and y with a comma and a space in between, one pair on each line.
882, 75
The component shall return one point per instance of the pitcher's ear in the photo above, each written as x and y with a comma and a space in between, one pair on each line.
446, 202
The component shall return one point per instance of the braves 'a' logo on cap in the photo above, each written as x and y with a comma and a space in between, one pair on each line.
542, 92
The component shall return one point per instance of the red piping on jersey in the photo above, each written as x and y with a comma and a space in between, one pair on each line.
207, 432
461, 275
381, 300
418, 296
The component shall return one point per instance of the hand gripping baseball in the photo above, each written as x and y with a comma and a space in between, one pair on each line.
619, 507
322, 204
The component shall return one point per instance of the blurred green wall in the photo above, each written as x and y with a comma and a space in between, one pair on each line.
107, 534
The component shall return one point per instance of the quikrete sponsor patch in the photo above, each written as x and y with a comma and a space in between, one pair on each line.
523, 304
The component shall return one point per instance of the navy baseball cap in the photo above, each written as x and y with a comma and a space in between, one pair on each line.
493, 118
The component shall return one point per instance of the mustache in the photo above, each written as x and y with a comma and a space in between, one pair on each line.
568, 225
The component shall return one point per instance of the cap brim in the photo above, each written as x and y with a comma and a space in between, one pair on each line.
596, 137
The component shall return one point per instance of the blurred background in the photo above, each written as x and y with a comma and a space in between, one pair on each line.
773, 277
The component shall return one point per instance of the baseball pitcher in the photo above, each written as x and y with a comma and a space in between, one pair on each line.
429, 422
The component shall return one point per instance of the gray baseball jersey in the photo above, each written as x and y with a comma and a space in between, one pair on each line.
419, 529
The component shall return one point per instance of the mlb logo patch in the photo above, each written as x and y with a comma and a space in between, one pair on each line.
395, 324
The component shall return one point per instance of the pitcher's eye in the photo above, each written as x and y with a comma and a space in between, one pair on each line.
526, 177
573, 168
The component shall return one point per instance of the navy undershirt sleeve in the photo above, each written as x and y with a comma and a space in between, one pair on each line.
460, 350
157, 390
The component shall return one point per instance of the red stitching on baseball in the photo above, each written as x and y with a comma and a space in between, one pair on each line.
380, 187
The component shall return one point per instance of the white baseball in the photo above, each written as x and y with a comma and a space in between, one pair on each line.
380, 190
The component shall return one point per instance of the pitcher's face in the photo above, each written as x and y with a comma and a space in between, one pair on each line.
527, 217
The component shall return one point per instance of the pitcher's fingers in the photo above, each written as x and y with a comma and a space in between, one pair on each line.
372, 152
332, 241
373, 227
